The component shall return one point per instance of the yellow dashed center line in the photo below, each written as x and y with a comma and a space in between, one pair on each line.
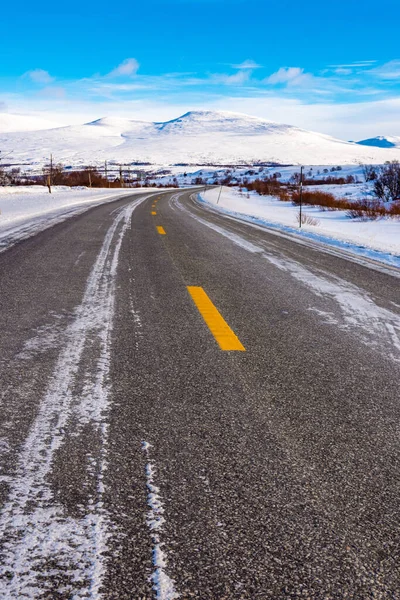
161, 230
153, 212
225, 337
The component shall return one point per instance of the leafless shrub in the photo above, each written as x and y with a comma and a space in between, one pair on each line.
369, 172
305, 219
367, 210
387, 182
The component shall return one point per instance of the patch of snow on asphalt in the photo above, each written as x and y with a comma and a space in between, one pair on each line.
237, 239
44, 547
358, 309
163, 585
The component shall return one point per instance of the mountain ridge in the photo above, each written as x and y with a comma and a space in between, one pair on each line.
196, 137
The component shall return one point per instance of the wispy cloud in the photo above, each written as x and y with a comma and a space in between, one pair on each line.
289, 75
239, 78
389, 71
335, 81
247, 64
54, 91
39, 76
129, 66
357, 64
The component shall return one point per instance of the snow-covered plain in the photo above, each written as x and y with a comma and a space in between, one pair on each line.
196, 138
239, 175
28, 209
379, 240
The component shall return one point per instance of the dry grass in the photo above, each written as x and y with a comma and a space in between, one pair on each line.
307, 220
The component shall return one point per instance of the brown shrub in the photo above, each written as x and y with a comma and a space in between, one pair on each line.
394, 210
367, 210
317, 198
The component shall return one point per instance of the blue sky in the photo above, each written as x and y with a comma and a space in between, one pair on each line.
333, 68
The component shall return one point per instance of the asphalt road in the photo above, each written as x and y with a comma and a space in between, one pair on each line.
139, 460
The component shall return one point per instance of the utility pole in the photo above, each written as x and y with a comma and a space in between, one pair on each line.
50, 174
301, 196
121, 180
219, 195
3, 182
105, 172
90, 179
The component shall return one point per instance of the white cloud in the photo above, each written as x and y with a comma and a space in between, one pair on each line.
247, 64
288, 75
343, 71
389, 71
129, 66
357, 64
238, 78
39, 76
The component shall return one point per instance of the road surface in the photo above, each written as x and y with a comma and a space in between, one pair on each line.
194, 407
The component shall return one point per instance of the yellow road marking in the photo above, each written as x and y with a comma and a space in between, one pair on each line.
161, 230
153, 212
225, 337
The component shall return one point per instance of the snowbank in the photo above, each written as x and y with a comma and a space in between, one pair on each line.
379, 239
26, 210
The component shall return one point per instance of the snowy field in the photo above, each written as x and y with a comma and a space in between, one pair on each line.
239, 175
26, 210
379, 239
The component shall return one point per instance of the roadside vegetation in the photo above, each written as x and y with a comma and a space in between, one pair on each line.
57, 174
383, 181
386, 190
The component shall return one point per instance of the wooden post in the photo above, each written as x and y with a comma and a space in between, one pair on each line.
301, 196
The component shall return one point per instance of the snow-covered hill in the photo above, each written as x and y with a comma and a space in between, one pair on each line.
196, 138
12, 122
382, 141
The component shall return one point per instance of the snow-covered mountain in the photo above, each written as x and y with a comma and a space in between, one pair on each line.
196, 138
382, 141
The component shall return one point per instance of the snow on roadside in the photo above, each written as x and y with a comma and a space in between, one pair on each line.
26, 210
379, 240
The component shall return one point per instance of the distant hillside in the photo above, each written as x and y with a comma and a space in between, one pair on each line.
10, 122
196, 138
